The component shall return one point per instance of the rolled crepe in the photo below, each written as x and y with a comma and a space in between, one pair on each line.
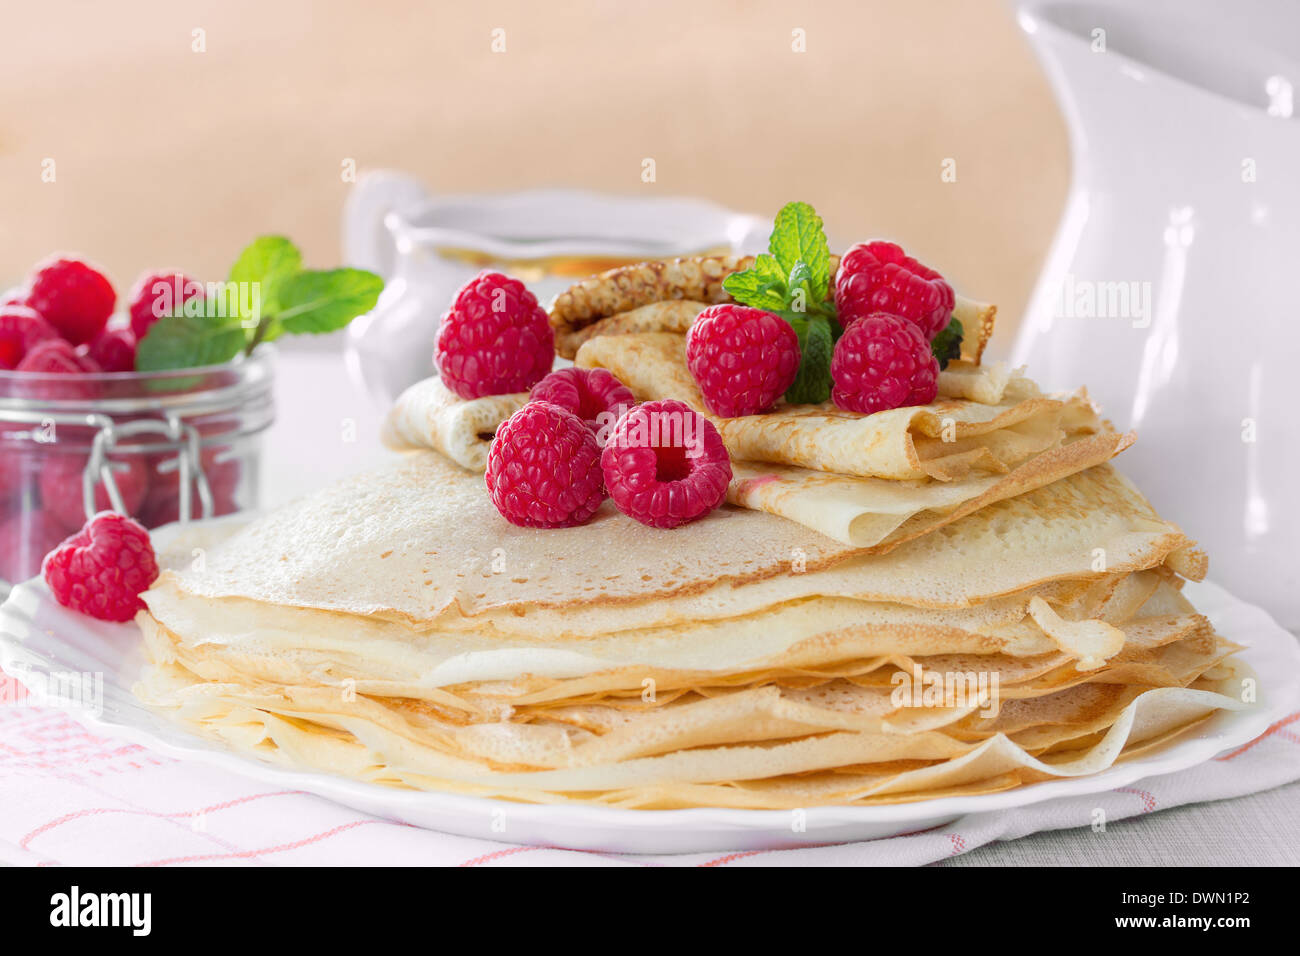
698, 279
991, 436
675, 316
430, 415
871, 512
1006, 422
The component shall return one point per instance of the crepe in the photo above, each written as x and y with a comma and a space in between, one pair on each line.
418, 541
754, 738
293, 645
672, 316
235, 640
878, 512
697, 279
879, 479
990, 437
430, 415
948, 439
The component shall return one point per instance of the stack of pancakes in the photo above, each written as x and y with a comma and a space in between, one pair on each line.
958, 598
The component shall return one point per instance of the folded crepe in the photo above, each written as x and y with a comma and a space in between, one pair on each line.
640, 297
419, 541
950, 438
866, 481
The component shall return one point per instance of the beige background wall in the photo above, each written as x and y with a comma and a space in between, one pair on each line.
166, 156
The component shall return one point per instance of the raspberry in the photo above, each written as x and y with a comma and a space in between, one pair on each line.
56, 357
113, 350
53, 357
593, 394
879, 277
103, 569
743, 359
15, 296
25, 538
495, 339
543, 468
73, 297
11, 470
156, 294
20, 329
665, 464
60, 483
883, 361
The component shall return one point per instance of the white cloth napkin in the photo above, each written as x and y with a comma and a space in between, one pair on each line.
72, 798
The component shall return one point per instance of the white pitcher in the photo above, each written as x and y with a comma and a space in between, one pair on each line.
1171, 287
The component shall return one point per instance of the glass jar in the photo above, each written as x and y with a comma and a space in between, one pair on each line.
160, 446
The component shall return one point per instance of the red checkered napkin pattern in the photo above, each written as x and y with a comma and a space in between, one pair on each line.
72, 798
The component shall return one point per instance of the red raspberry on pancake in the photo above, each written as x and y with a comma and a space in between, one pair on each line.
883, 361
742, 358
665, 464
880, 277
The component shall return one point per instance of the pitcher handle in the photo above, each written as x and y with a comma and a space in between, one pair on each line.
367, 241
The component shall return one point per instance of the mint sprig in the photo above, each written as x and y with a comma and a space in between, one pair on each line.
268, 294
792, 280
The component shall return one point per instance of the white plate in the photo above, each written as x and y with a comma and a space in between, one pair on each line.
39, 638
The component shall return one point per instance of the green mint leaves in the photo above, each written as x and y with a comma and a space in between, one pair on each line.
268, 294
268, 261
761, 286
188, 341
316, 302
947, 344
813, 383
792, 280
798, 237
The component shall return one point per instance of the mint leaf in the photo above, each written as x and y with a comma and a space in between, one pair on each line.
947, 344
770, 274
800, 275
798, 236
267, 261
325, 301
798, 321
812, 385
761, 286
188, 341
